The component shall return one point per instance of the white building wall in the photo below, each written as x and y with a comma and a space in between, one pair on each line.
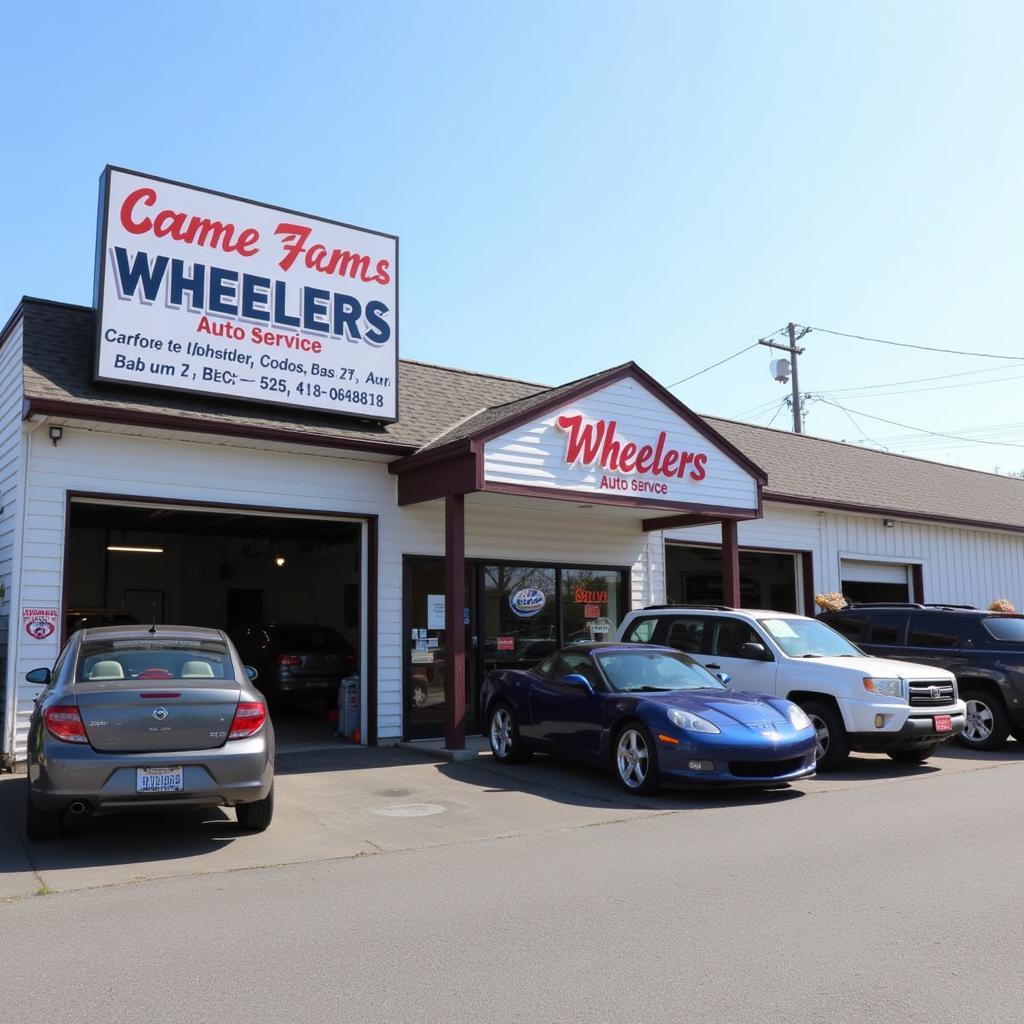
114, 463
11, 481
959, 565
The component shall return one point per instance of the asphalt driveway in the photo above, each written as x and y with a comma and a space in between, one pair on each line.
354, 802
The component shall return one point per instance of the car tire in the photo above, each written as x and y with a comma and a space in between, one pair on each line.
503, 735
41, 825
256, 817
988, 724
913, 755
635, 760
832, 747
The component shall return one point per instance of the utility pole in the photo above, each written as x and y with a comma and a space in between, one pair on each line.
791, 348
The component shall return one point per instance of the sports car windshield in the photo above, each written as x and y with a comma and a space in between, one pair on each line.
809, 638
651, 671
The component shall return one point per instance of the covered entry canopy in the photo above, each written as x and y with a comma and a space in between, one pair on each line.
616, 438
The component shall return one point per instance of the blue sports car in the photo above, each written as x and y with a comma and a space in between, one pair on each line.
651, 713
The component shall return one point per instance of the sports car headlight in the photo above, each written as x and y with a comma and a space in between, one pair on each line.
797, 718
690, 722
883, 687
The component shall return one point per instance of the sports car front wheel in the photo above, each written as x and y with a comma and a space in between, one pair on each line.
506, 743
636, 760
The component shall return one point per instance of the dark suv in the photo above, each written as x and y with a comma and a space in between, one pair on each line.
984, 650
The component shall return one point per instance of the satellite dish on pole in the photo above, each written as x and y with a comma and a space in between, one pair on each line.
780, 369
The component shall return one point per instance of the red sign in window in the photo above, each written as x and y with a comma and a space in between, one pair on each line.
592, 611
506, 643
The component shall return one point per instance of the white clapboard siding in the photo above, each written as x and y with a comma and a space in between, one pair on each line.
958, 565
11, 454
534, 454
115, 463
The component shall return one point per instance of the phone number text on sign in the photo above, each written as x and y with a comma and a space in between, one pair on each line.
203, 292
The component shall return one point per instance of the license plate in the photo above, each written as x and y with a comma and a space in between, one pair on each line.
943, 723
159, 780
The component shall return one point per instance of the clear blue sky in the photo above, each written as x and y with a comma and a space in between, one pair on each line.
577, 184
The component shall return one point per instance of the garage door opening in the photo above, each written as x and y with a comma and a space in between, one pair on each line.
287, 590
768, 579
875, 581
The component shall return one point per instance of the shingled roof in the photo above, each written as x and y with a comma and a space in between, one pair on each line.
808, 470
439, 405
58, 355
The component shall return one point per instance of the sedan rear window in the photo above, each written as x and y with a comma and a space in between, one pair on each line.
311, 638
1005, 627
151, 659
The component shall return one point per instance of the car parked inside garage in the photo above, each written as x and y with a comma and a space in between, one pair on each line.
983, 649
154, 718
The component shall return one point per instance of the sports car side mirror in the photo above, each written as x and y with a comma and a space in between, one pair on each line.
40, 676
582, 682
724, 678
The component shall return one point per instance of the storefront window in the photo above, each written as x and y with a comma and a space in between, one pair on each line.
593, 603
520, 614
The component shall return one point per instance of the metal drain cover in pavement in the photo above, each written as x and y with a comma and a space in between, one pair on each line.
409, 810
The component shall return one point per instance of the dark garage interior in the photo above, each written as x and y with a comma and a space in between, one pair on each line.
286, 589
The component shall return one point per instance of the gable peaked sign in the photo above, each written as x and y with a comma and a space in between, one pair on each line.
614, 438
622, 442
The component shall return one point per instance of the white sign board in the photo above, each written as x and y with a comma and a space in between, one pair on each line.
435, 611
623, 445
203, 292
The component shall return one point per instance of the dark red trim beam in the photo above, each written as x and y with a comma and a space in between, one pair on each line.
730, 564
454, 623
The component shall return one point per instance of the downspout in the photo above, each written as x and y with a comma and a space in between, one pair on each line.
17, 579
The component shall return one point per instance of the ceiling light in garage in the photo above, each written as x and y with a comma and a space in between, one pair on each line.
137, 551
279, 561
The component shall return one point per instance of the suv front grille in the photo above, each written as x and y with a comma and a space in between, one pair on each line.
931, 695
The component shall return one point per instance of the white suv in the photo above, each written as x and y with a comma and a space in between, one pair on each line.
854, 701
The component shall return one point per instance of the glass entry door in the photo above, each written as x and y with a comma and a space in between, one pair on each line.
425, 647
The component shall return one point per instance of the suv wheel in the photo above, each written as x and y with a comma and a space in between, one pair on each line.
987, 724
832, 746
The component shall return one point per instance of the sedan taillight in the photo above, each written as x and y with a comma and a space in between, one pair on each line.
288, 660
248, 720
63, 722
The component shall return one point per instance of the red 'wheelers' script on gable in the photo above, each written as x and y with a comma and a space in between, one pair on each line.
595, 442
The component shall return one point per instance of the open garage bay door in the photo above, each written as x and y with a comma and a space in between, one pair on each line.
287, 589
875, 581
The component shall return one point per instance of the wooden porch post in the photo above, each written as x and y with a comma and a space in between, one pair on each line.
454, 622
730, 564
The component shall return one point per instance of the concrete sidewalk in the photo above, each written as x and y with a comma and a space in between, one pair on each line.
353, 801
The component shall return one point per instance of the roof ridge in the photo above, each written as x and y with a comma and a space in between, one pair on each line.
475, 373
861, 448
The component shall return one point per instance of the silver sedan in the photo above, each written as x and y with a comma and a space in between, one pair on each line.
136, 717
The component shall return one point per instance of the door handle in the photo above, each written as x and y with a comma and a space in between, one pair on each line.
711, 665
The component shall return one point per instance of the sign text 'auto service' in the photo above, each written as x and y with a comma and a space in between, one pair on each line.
209, 293
650, 468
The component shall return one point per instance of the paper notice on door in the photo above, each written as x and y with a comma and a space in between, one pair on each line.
435, 611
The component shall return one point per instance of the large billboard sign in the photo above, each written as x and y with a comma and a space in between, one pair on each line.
203, 292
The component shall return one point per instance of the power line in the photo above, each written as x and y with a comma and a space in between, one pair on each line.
923, 348
921, 430
918, 391
924, 380
782, 405
713, 365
